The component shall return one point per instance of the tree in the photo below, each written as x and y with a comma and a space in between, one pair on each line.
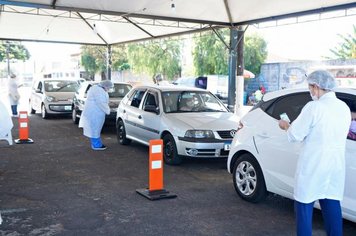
347, 48
156, 57
94, 58
16, 51
255, 52
210, 55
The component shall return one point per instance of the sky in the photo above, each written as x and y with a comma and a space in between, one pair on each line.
306, 41
302, 41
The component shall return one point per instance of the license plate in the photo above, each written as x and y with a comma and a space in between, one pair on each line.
67, 108
227, 147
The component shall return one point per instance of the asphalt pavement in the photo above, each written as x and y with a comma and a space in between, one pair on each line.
59, 186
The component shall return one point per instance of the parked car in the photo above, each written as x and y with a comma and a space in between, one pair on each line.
262, 160
192, 122
116, 94
52, 96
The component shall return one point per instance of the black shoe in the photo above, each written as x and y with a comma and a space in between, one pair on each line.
103, 147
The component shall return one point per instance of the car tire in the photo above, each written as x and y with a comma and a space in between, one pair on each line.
121, 133
44, 112
248, 179
170, 153
75, 119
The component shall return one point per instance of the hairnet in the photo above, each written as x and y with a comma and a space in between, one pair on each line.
106, 84
322, 79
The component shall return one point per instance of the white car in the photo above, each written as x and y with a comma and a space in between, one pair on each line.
262, 160
192, 122
52, 96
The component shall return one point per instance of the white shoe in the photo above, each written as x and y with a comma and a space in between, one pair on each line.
103, 147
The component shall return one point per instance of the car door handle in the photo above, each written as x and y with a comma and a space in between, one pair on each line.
140, 117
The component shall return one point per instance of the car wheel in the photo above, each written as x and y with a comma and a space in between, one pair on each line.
170, 153
44, 112
248, 179
75, 119
121, 133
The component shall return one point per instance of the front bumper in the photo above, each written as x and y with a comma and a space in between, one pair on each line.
211, 149
56, 108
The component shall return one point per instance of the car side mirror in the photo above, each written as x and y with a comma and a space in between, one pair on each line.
38, 91
151, 108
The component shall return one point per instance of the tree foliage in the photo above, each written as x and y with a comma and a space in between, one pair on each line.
347, 47
210, 55
94, 58
255, 52
16, 51
156, 57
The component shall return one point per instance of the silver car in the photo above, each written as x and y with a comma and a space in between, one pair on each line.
52, 96
192, 122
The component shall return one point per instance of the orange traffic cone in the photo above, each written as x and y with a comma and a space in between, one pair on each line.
155, 190
23, 129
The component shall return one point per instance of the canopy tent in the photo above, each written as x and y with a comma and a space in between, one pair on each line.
108, 22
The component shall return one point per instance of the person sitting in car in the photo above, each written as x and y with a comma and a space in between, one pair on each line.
186, 104
352, 131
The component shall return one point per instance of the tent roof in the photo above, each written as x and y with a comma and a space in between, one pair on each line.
103, 22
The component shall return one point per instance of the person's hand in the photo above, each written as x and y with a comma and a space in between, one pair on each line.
283, 124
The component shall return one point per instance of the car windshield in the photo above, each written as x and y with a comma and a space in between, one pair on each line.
119, 90
60, 86
191, 101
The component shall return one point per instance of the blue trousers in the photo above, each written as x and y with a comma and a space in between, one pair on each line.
331, 211
96, 142
14, 109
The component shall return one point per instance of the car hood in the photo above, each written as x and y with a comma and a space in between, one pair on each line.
61, 96
206, 120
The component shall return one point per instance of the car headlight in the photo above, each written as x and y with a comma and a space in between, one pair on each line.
51, 98
199, 134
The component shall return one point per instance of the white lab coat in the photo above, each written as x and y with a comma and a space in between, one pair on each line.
322, 126
95, 108
5, 121
14, 95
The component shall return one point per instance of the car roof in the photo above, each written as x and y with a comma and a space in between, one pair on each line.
172, 88
96, 82
271, 95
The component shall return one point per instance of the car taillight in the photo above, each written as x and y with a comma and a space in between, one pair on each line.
240, 126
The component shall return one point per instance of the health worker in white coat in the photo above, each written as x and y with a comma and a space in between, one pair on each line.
14, 95
322, 127
93, 115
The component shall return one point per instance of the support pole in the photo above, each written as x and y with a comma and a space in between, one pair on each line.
108, 61
240, 72
232, 69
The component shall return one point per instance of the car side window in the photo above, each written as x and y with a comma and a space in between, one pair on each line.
350, 100
136, 98
151, 99
292, 105
40, 86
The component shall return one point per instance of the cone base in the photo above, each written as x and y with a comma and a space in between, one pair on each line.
156, 194
24, 141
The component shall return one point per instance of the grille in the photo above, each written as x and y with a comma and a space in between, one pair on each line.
225, 134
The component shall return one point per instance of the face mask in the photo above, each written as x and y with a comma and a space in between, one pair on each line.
353, 126
315, 98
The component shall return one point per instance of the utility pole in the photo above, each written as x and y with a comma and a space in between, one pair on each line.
8, 58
